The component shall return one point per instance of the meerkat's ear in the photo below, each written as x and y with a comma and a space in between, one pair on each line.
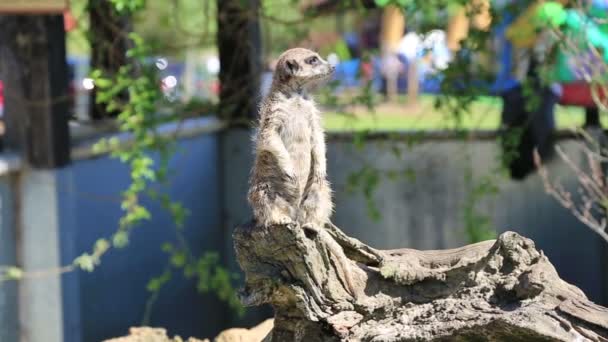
291, 66
287, 69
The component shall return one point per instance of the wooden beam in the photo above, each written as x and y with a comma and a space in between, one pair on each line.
34, 71
34, 6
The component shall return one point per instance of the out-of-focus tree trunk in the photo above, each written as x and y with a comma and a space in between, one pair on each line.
459, 22
34, 72
393, 27
458, 29
239, 45
412, 81
109, 44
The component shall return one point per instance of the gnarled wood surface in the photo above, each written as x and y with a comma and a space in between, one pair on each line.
326, 286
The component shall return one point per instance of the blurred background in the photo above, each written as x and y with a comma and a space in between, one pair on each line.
126, 145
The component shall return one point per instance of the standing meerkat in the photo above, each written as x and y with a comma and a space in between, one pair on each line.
288, 182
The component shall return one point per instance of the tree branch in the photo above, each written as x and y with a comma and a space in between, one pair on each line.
326, 286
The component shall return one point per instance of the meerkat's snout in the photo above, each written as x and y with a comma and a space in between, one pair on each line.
325, 69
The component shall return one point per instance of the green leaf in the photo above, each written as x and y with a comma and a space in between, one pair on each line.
86, 262
178, 259
155, 284
101, 146
102, 83
14, 273
120, 239
167, 247
101, 246
410, 174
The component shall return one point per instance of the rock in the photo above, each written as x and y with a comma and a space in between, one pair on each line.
147, 334
255, 334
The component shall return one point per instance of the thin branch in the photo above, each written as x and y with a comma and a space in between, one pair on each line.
592, 195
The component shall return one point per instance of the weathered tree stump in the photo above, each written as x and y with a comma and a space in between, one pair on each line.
326, 286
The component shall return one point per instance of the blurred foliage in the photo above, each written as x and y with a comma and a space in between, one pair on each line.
172, 27
140, 118
169, 27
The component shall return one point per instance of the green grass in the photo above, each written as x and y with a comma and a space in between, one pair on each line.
485, 115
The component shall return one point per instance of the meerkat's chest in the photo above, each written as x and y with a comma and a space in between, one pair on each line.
298, 124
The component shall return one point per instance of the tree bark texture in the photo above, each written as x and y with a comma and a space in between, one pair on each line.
239, 45
34, 72
326, 286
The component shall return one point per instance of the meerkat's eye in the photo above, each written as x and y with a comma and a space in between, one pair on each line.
312, 60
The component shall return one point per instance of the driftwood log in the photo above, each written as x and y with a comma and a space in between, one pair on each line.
326, 286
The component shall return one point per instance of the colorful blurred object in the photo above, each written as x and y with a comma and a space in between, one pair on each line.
342, 50
69, 22
573, 61
1, 98
579, 94
347, 72
573, 68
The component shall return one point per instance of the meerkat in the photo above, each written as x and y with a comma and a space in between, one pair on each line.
288, 182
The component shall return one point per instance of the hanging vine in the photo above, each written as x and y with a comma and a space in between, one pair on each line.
139, 119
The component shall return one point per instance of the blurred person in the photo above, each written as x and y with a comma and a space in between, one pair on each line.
390, 68
528, 105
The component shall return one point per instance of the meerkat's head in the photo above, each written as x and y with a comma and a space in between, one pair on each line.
301, 69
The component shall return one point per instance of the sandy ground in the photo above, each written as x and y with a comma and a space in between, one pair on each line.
147, 334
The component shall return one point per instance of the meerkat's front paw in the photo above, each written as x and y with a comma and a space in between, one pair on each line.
278, 219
